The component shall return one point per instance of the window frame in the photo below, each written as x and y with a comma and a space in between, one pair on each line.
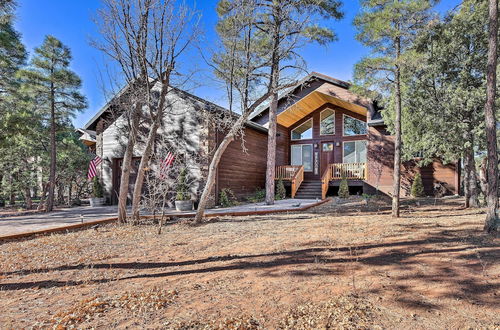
343, 126
321, 120
354, 141
302, 155
312, 130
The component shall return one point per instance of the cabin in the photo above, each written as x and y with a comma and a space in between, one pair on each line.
325, 132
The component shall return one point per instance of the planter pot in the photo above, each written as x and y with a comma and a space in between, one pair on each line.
94, 201
184, 205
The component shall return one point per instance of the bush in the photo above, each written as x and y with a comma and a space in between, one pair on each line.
417, 187
97, 189
183, 193
227, 198
344, 188
258, 196
280, 190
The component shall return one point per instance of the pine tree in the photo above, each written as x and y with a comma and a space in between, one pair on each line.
389, 27
445, 92
417, 187
55, 89
288, 25
492, 223
280, 190
343, 188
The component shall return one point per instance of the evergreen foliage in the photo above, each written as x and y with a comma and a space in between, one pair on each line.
183, 193
417, 187
227, 198
97, 189
343, 188
280, 190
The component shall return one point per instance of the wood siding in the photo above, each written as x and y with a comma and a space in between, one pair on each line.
380, 158
242, 172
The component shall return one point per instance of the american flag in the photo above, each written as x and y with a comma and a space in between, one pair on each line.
169, 159
93, 167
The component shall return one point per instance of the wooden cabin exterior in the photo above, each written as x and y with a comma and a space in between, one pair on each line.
325, 132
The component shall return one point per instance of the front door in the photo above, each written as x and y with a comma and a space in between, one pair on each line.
326, 156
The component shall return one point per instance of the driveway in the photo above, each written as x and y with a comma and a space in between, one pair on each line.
60, 218
70, 216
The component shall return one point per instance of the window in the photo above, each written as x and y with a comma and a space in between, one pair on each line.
327, 125
353, 126
328, 146
355, 152
304, 131
302, 155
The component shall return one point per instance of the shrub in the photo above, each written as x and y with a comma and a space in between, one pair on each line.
258, 196
182, 187
97, 189
227, 198
417, 187
344, 188
280, 190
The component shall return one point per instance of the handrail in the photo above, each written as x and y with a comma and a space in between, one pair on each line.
350, 171
325, 179
286, 172
293, 173
297, 180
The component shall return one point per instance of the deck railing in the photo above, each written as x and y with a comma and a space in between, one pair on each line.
292, 173
337, 171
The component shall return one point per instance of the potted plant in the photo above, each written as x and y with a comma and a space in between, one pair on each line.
97, 198
183, 200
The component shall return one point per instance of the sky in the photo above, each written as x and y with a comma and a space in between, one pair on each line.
71, 21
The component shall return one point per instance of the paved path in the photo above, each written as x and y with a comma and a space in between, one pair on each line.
71, 216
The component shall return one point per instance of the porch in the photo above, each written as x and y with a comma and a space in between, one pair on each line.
294, 175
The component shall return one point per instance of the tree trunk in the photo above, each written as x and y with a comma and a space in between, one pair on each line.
466, 181
127, 162
271, 150
397, 142
212, 169
42, 197
146, 156
273, 107
70, 191
483, 177
492, 223
27, 198
470, 180
53, 154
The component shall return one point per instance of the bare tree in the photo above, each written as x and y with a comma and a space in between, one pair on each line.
145, 38
492, 223
239, 65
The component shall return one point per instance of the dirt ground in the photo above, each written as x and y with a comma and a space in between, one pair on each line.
334, 266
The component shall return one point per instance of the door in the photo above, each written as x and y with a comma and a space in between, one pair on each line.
326, 156
117, 172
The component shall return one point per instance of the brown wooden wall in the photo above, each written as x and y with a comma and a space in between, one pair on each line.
380, 159
242, 172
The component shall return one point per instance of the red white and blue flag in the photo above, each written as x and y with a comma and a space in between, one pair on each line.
165, 164
93, 167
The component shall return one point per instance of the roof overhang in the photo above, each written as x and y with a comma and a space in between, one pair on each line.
312, 102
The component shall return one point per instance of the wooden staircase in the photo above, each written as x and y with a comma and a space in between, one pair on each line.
309, 190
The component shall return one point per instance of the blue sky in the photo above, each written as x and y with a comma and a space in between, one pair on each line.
71, 22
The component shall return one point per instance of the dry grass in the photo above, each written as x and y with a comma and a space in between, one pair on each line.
335, 266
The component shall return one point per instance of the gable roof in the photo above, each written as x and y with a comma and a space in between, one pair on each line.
90, 126
312, 91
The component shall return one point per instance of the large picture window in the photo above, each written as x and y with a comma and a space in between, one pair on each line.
353, 126
302, 155
327, 125
355, 152
304, 131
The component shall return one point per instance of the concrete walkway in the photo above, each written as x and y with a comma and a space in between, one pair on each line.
73, 216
